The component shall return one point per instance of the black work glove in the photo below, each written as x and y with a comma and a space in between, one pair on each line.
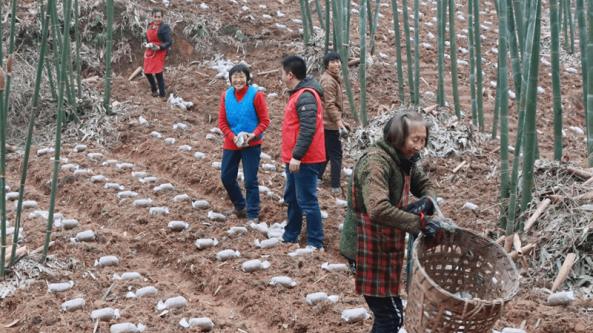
423, 205
432, 228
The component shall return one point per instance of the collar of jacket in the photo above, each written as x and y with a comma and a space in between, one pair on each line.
334, 76
307, 82
400, 159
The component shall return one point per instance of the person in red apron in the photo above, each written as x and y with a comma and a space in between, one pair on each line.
157, 41
379, 215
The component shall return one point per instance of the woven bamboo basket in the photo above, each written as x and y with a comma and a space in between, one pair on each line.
461, 285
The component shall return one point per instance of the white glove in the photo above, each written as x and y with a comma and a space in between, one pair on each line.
148, 45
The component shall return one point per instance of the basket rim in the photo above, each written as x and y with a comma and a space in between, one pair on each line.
474, 301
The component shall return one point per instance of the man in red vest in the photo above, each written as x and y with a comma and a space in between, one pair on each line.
303, 151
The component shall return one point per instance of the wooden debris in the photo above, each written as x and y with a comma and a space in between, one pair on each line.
107, 292
459, 166
217, 290
538, 212
564, 271
91, 79
431, 108
10, 148
517, 244
525, 250
268, 72
580, 173
556, 198
19, 251
353, 61
136, 72
586, 196
588, 182
508, 243
500, 240
13, 323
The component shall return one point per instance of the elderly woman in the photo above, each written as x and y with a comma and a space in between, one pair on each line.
378, 217
242, 118
157, 41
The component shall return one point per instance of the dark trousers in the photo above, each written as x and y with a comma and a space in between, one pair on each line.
250, 157
389, 313
333, 154
161, 83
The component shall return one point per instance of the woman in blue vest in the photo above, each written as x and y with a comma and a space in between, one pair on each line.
242, 118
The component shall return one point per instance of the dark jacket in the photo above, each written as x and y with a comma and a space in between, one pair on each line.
378, 189
306, 107
163, 34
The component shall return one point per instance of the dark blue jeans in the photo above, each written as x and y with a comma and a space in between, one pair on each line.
228, 173
333, 152
301, 196
161, 83
389, 313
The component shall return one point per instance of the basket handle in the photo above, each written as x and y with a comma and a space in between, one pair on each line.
436, 207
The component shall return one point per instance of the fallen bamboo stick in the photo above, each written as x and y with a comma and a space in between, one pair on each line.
556, 198
354, 61
580, 173
430, 108
588, 182
91, 79
586, 196
525, 249
524, 263
268, 72
459, 166
517, 244
136, 72
500, 240
508, 243
564, 271
39, 249
19, 251
538, 212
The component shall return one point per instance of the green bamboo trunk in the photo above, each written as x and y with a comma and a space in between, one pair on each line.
10, 51
496, 105
555, 57
504, 109
363, 68
531, 119
589, 113
530, 93
565, 11
108, 55
374, 26
62, 78
453, 48
408, 49
518, 22
514, 48
583, 47
416, 52
309, 18
77, 38
319, 14
327, 27
472, 61
570, 25
441, 53
303, 19
398, 53
3, 118
50, 77
480, 87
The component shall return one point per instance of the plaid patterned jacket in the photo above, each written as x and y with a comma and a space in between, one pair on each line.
379, 188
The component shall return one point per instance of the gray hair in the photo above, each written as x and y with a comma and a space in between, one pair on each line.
397, 128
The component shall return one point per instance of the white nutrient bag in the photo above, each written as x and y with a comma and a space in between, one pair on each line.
81, 172
143, 292
27, 204
267, 243
69, 224
217, 165
127, 276
335, 267
268, 167
142, 202
126, 194
181, 197
147, 180
158, 210
301, 252
107, 261
355, 315
205, 324
216, 216
105, 314
265, 156
109, 162
69, 166
177, 225
73, 304
261, 227
254, 265
284, 281
227, 254
98, 179
124, 165
79, 148
156, 134
60, 287
205, 243
236, 231
127, 328
84, 236
562, 298
315, 298
275, 233
202, 204
170, 141
199, 156
172, 303
162, 187
139, 174
12, 196
114, 186
94, 156
185, 148
180, 126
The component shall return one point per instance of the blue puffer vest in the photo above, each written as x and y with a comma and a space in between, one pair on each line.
241, 116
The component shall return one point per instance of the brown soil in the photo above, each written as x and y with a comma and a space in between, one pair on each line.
234, 300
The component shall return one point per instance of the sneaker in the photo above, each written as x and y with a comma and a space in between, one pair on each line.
239, 213
155, 94
311, 247
336, 190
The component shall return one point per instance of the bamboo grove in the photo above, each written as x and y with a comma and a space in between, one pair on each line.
518, 43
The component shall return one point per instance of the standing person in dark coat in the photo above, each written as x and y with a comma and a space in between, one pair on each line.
157, 41
303, 151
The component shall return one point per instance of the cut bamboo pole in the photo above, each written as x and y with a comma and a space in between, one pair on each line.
586, 196
19, 251
588, 182
136, 72
525, 250
500, 240
564, 271
580, 173
508, 243
39, 249
556, 198
538, 212
459, 166
517, 244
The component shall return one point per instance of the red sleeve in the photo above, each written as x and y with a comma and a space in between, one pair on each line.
261, 108
222, 122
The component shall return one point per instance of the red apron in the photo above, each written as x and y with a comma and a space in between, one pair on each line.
154, 60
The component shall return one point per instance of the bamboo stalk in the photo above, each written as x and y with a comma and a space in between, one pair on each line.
398, 52
538, 212
374, 23
564, 271
77, 38
525, 250
589, 113
478, 53
496, 103
10, 51
62, 76
416, 88
514, 48
565, 11
504, 114
441, 53
453, 49
108, 55
3, 118
582, 20
570, 25
12, 256
472, 61
557, 98
304, 21
409, 49
519, 23
363, 68
343, 51
319, 14
327, 27
309, 18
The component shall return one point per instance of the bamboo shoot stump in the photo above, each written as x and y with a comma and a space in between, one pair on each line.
508, 243
517, 244
564, 271
525, 250
580, 173
136, 72
538, 212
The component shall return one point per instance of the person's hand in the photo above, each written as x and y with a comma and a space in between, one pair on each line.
432, 230
424, 205
155, 47
148, 46
249, 137
294, 166
347, 126
344, 133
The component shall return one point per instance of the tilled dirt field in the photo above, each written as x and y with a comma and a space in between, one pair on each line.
234, 300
